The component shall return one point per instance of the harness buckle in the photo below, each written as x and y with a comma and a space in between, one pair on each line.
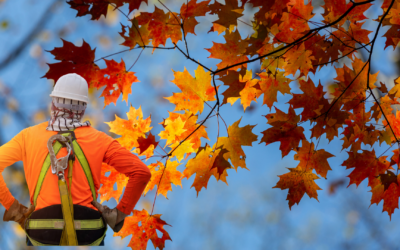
59, 165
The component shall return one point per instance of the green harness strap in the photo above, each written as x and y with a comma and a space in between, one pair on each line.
87, 224
46, 165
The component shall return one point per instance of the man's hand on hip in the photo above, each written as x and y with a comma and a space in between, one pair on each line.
113, 217
18, 213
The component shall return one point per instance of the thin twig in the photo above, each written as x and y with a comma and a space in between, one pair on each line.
136, 60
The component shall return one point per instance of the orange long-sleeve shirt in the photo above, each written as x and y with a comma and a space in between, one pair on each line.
30, 147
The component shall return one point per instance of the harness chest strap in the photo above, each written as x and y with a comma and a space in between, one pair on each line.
69, 225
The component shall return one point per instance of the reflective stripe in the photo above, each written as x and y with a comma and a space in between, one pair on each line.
46, 165
85, 165
59, 224
94, 243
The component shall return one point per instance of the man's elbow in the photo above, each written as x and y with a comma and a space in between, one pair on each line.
146, 173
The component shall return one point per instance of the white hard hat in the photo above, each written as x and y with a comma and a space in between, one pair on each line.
71, 86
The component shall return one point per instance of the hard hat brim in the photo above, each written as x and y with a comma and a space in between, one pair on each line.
69, 96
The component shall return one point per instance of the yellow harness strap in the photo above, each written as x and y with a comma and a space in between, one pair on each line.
68, 237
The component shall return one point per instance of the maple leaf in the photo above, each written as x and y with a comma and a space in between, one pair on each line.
207, 163
133, 4
298, 59
333, 10
394, 125
232, 80
313, 159
190, 125
328, 123
365, 165
299, 182
195, 90
168, 175
150, 224
387, 189
107, 191
132, 129
237, 137
161, 26
251, 90
284, 129
353, 83
98, 7
190, 11
117, 81
396, 88
231, 52
386, 105
136, 35
310, 100
146, 145
392, 36
258, 40
294, 22
73, 59
271, 84
173, 128
227, 14
348, 39
358, 132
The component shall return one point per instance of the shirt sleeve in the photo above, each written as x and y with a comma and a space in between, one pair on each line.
129, 164
10, 153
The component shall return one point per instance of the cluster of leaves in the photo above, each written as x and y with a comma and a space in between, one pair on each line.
290, 43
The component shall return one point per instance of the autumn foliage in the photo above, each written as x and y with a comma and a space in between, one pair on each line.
289, 42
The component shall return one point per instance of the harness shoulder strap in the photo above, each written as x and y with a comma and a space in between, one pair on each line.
81, 158
45, 167
85, 165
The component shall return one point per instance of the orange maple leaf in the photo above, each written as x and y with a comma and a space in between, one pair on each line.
251, 90
204, 165
195, 90
150, 225
107, 191
232, 80
167, 174
365, 165
310, 100
294, 22
387, 189
136, 35
132, 129
299, 182
161, 26
227, 14
237, 137
284, 129
231, 52
353, 83
190, 11
313, 159
175, 133
270, 85
118, 81
298, 59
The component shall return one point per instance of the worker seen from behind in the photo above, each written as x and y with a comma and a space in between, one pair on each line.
62, 161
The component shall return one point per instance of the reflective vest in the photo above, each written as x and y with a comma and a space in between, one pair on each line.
68, 225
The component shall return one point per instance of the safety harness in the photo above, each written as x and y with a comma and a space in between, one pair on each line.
67, 224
